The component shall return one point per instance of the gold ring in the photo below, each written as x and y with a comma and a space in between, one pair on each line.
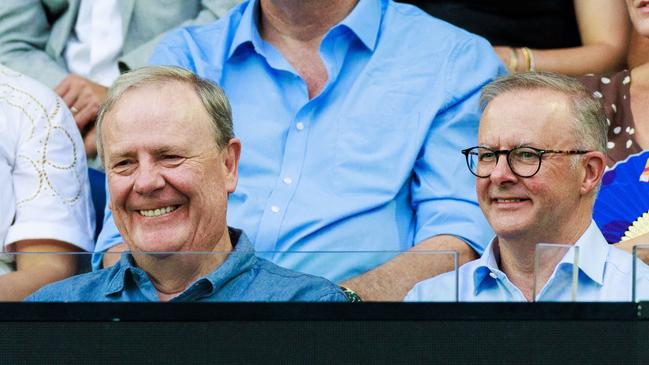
74, 110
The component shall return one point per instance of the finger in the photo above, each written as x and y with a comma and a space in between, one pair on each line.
63, 86
71, 95
90, 142
85, 116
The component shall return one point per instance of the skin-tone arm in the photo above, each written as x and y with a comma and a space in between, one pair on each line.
391, 281
36, 270
604, 30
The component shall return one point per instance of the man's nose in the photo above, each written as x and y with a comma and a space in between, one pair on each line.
148, 179
502, 172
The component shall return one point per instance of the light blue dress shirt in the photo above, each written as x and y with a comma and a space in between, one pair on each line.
370, 164
605, 274
242, 277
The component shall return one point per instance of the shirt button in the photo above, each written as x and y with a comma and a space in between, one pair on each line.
299, 126
274, 209
493, 275
288, 181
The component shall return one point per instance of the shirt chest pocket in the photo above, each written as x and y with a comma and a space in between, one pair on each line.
375, 151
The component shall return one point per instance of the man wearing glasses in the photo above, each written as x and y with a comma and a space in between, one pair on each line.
538, 166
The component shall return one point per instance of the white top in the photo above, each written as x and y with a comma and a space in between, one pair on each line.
96, 42
44, 188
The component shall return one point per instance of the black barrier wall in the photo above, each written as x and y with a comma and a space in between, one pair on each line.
315, 333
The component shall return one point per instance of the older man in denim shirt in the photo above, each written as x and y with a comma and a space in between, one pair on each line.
171, 161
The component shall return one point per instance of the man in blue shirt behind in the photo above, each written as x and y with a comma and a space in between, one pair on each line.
351, 113
166, 140
539, 162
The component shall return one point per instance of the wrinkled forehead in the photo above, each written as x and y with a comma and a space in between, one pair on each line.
158, 102
526, 117
157, 115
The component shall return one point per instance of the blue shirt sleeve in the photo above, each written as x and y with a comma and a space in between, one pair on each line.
108, 237
443, 188
173, 49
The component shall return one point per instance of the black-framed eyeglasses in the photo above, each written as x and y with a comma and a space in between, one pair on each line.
523, 161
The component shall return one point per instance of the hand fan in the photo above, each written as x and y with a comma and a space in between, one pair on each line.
623, 197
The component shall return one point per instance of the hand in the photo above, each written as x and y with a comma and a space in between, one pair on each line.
84, 98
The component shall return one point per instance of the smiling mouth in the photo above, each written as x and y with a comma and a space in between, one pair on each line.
158, 212
509, 200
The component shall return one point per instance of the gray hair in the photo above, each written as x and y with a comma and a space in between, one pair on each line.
590, 127
212, 97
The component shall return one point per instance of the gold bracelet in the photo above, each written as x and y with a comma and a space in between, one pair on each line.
528, 57
532, 60
513, 60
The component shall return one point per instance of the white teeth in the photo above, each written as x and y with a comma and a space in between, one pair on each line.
157, 212
508, 200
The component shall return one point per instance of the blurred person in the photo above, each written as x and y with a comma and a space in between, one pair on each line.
45, 204
350, 112
539, 162
570, 37
166, 140
78, 47
624, 96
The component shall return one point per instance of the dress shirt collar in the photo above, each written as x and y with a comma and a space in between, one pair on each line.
247, 31
240, 260
486, 265
364, 21
593, 252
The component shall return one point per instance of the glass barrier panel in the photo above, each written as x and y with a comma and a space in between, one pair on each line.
640, 277
437, 287
556, 273
237, 276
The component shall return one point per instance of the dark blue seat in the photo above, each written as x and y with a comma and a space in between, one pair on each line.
98, 190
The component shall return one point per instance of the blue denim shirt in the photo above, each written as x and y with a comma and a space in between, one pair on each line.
605, 274
373, 162
242, 277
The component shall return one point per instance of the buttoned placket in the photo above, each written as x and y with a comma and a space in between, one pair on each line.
294, 152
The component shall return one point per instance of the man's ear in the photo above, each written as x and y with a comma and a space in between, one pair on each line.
231, 154
594, 164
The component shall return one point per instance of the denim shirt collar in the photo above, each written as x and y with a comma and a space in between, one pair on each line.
364, 21
240, 260
593, 252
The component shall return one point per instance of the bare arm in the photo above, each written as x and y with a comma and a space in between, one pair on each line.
392, 280
36, 270
604, 30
